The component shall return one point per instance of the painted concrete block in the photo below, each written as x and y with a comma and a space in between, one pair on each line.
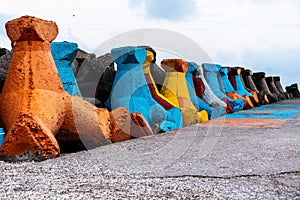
63, 54
2, 136
197, 101
208, 96
236, 81
173, 111
213, 77
176, 90
130, 89
260, 97
35, 108
231, 92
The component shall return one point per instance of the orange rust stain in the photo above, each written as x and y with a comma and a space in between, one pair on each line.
240, 122
177, 65
139, 126
34, 107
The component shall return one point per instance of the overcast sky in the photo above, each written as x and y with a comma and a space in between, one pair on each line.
263, 35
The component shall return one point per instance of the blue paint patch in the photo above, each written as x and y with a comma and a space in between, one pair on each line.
213, 77
2, 136
197, 101
63, 55
271, 111
130, 90
279, 106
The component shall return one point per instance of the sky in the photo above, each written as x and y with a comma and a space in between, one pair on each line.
263, 35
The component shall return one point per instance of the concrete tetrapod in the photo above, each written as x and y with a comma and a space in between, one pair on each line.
207, 94
5, 57
213, 77
254, 98
80, 62
293, 90
157, 73
213, 113
234, 75
176, 90
231, 92
171, 109
63, 54
95, 76
247, 77
273, 88
34, 107
130, 90
239, 85
279, 87
262, 86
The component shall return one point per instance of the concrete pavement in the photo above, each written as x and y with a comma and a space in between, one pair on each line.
250, 154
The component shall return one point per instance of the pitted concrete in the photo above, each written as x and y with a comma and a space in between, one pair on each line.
211, 151
196, 162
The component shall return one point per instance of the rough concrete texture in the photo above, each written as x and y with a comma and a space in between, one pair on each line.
105, 83
231, 92
139, 126
95, 76
213, 77
2, 136
279, 87
239, 86
81, 60
172, 110
121, 124
208, 96
130, 89
262, 86
126, 126
176, 90
5, 56
158, 75
216, 112
273, 88
193, 163
63, 54
85, 121
293, 90
34, 106
260, 97
29, 93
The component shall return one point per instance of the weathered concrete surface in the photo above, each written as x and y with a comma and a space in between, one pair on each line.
35, 109
63, 55
82, 58
130, 90
176, 90
95, 76
5, 56
25, 106
197, 162
217, 150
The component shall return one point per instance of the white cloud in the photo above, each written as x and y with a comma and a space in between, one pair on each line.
230, 31
173, 10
